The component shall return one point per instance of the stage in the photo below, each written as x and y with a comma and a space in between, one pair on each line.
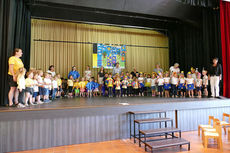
83, 120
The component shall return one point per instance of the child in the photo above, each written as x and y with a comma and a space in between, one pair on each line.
21, 86
117, 84
104, 87
174, 82
64, 87
167, 85
198, 85
190, 84
135, 85
36, 95
82, 85
40, 83
90, 87
54, 87
205, 82
130, 87
29, 83
141, 84
125, 83
153, 85
148, 85
70, 86
76, 87
59, 83
109, 83
47, 83
96, 88
182, 87
160, 82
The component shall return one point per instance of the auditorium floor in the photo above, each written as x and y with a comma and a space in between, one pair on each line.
127, 146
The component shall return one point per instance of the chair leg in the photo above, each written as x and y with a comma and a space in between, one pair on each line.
205, 142
228, 135
198, 130
220, 145
225, 130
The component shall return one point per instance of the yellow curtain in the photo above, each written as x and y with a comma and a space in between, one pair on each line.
65, 55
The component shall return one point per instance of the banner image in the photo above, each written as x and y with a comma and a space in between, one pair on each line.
108, 56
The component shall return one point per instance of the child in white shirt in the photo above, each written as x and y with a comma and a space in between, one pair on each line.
21, 87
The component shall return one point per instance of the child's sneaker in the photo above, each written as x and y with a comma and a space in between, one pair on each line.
20, 105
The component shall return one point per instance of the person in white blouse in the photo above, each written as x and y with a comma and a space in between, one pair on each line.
87, 73
175, 68
51, 70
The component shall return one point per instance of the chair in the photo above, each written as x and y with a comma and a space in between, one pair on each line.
212, 129
214, 135
224, 123
201, 126
228, 134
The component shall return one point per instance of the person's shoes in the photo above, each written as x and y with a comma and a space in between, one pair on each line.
39, 102
20, 105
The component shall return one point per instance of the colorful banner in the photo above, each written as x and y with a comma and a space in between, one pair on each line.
108, 56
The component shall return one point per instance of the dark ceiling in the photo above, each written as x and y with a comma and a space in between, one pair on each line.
166, 8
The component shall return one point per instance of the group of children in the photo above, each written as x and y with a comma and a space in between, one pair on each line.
155, 84
37, 86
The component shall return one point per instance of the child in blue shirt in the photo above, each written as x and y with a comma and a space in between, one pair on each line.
96, 88
90, 87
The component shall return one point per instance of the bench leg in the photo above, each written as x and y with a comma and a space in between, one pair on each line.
134, 132
130, 123
145, 148
139, 134
139, 139
188, 146
180, 134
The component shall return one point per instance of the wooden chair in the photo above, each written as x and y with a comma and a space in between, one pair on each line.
214, 135
213, 129
202, 126
224, 123
229, 134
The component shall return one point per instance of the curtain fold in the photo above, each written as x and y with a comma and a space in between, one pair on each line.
14, 33
225, 41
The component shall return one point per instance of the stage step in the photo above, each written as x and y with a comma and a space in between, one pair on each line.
153, 120
146, 112
144, 134
160, 131
167, 143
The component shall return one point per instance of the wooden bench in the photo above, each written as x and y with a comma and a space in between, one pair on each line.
167, 143
133, 114
146, 121
157, 132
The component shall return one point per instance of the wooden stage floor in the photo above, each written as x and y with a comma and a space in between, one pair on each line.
70, 103
127, 146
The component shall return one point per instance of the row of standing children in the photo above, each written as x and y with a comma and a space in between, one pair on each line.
37, 87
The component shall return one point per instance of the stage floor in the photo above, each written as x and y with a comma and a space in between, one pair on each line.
71, 103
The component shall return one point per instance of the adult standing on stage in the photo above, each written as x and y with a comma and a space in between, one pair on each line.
51, 70
174, 68
87, 73
100, 77
134, 72
74, 73
117, 69
158, 69
14, 64
215, 75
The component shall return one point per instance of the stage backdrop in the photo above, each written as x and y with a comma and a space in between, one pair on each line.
65, 44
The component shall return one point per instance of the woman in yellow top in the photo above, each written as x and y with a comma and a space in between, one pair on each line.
14, 64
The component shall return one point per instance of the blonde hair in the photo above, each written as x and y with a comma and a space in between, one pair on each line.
21, 72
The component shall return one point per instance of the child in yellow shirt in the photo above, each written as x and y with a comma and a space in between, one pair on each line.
82, 85
76, 88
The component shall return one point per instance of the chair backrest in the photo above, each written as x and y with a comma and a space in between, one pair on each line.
226, 115
210, 120
215, 121
218, 128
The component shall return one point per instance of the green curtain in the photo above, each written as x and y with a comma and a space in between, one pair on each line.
14, 33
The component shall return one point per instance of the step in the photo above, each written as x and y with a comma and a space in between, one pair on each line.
153, 120
146, 112
160, 131
167, 143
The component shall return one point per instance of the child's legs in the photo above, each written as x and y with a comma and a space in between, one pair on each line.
21, 96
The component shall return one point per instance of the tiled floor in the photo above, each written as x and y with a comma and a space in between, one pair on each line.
127, 146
